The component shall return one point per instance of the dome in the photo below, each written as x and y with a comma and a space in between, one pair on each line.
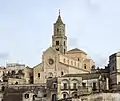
76, 50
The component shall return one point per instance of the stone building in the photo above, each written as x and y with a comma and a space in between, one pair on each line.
45, 93
73, 85
29, 96
96, 97
18, 74
114, 70
14, 67
2, 70
58, 61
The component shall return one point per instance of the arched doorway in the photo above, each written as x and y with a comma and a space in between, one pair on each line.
50, 75
3, 88
16, 83
54, 98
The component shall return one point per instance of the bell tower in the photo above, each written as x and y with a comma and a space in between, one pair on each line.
59, 40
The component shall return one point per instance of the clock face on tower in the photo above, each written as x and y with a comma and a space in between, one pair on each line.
51, 61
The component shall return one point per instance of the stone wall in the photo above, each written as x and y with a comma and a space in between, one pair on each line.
99, 97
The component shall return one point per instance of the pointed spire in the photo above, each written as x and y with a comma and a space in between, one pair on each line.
59, 20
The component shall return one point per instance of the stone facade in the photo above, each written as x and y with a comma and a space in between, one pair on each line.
2, 70
96, 97
18, 74
10, 67
57, 61
61, 74
114, 69
73, 85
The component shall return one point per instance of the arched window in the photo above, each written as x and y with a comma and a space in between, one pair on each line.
84, 66
26, 96
57, 29
38, 75
57, 49
65, 95
65, 85
50, 75
74, 94
3, 88
54, 85
34, 96
64, 51
16, 83
64, 43
74, 85
75, 63
13, 72
71, 62
57, 42
54, 97
64, 60
62, 73
68, 61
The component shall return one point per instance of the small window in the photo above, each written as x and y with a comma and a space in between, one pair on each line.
65, 85
57, 42
45, 95
57, 30
94, 86
57, 49
64, 51
34, 96
75, 63
3, 88
64, 96
64, 43
26, 96
84, 84
74, 86
13, 72
64, 60
62, 73
54, 97
16, 83
84, 66
38, 74
78, 59
75, 95
54, 86
68, 61
71, 62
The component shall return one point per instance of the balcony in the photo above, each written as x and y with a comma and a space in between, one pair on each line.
65, 87
84, 90
69, 88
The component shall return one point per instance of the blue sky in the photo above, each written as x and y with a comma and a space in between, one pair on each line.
26, 27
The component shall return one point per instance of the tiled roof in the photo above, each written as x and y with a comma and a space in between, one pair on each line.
59, 20
76, 50
86, 76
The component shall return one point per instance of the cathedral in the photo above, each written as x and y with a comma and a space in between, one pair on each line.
58, 61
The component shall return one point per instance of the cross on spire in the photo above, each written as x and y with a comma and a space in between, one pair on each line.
59, 11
